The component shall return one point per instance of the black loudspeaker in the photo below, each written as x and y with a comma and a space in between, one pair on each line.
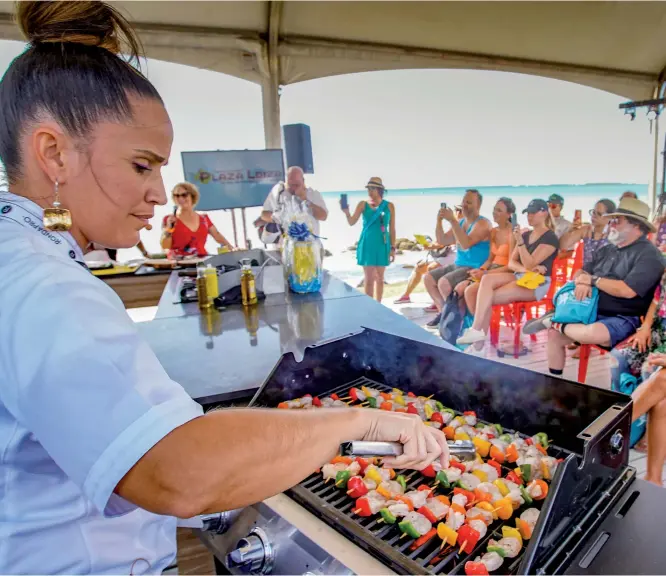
298, 146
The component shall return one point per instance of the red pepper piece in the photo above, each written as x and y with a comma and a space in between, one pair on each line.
469, 413
529, 441
496, 466
469, 537
362, 507
424, 488
308, 396
385, 395
458, 465
363, 463
411, 409
316, 402
423, 539
353, 394
356, 487
335, 397
513, 477
437, 417
476, 569
467, 494
283, 406
427, 513
411, 394
429, 471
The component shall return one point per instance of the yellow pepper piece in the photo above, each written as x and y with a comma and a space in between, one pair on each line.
545, 471
482, 446
509, 532
372, 474
481, 475
367, 391
384, 492
461, 436
502, 487
447, 534
460, 420
504, 508
429, 411
398, 399
489, 507
397, 392
479, 460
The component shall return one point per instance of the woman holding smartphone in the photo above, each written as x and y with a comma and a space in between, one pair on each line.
376, 246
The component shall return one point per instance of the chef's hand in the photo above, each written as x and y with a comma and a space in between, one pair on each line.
657, 359
422, 444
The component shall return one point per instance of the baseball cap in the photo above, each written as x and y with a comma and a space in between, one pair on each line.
536, 205
556, 199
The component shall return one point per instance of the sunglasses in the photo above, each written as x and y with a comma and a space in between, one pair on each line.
181, 195
553, 205
594, 212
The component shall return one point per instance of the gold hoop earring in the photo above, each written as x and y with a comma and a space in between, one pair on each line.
57, 219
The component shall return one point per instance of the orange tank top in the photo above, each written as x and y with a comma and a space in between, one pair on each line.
500, 253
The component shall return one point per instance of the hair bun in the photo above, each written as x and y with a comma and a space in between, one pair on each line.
87, 22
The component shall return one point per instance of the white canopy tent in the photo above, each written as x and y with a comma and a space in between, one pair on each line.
619, 47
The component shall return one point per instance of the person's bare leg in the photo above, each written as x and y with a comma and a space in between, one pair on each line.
431, 286
484, 299
656, 437
369, 281
471, 293
649, 394
557, 354
444, 288
379, 282
596, 333
414, 278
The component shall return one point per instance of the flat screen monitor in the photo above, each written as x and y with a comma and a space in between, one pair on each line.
233, 178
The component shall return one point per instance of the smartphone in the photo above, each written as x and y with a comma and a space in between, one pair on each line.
578, 217
514, 220
443, 205
344, 202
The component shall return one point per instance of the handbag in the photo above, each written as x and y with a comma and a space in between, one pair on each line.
451, 320
570, 310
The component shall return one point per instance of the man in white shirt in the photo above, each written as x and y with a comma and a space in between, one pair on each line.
295, 187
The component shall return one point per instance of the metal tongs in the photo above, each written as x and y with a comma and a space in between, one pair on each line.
461, 449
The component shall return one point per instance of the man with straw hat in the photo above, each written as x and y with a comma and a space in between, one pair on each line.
626, 273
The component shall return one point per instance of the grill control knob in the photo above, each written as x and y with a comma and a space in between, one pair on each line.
253, 554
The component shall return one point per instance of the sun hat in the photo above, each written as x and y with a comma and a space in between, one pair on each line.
635, 210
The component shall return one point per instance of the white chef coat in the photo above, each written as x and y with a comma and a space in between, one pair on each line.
82, 398
280, 195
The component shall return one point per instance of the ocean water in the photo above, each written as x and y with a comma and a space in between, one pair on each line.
416, 213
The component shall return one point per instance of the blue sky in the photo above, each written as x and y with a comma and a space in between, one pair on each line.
420, 128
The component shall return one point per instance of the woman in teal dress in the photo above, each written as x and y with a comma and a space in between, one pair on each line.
376, 246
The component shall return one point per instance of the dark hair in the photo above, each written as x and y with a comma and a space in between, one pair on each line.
509, 205
608, 204
71, 70
629, 194
475, 191
643, 227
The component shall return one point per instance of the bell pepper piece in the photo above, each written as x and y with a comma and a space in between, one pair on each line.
509, 532
542, 439
401, 498
316, 402
524, 528
342, 460
442, 480
407, 528
544, 489
526, 472
283, 406
503, 508
440, 406
341, 478
498, 550
372, 402
481, 496
482, 446
545, 471
429, 471
488, 507
481, 475
387, 516
529, 441
458, 465
424, 488
373, 474
466, 493
386, 395
423, 539
411, 394
449, 432
391, 472
457, 508
362, 507
401, 410
470, 413
461, 436
384, 492
356, 487
496, 454
447, 534
469, 538
388, 406
399, 399
513, 477
427, 513
437, 417
428, 411
401, 480
499, 429
506, 438
397, 391
502, 487
411, 409
476, 569
363, 463
541, 449
444, 500
511, 453
449, 411
353, 394
496, 466
528, 499
335, 397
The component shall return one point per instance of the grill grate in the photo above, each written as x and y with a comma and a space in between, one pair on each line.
382, 540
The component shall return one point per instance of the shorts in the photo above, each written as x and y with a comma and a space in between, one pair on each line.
619, 327
540, 292
454, 274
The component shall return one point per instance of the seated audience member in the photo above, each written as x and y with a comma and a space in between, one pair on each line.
650, 398
659, 239
560, 224
628, 194
535, 251
626, 273
501, 245
471, 235
442, 257
185, 234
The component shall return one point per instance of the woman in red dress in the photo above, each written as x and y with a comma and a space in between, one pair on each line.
185, 233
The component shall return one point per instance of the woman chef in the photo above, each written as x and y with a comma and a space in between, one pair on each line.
100, 449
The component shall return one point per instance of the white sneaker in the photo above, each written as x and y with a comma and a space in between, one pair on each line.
471, 336
472, 350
